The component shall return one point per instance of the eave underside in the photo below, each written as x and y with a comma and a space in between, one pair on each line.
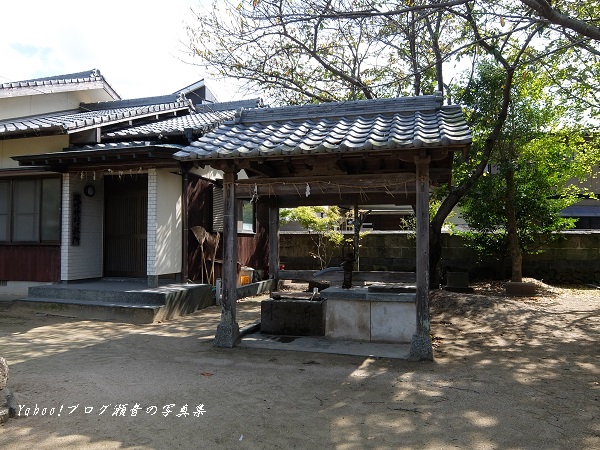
333, 179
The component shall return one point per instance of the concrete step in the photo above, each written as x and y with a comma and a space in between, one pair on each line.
99, 294
116, 302
89, 310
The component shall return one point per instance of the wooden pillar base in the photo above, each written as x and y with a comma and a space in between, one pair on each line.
228, 332
421, 349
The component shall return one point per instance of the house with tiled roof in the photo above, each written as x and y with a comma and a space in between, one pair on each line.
112, 188
89, 187
382, 151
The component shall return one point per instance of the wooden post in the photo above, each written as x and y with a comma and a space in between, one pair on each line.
356, 241
185, 170
421, 348
274, 241
228, 331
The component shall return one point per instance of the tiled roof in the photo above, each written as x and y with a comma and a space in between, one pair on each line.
48, 83
196, 122
205, 118
382, 124
135, 102
87, 116
139, 152
114, 146
237, 104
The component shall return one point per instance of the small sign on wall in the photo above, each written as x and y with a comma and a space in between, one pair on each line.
76, 219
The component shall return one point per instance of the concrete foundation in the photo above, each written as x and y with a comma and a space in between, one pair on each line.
363, 315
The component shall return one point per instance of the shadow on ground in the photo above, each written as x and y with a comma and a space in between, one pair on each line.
508, 374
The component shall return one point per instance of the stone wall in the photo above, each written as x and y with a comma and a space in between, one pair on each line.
573, 259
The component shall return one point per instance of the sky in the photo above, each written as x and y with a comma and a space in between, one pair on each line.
138, 45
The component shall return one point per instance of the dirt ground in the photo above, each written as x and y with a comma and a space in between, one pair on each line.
509, 373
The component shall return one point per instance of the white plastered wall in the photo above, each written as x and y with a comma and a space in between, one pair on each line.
164, 222
29, 146
37, 102
82, 261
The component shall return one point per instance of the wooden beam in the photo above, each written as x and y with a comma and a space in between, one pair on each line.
290, 166
362, 189
228, 331
336, 179
274, 241
435, 154
262, 168
343, 199
341, 164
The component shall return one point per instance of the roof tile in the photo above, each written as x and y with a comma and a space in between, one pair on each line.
90, 76
74, 120
403, 123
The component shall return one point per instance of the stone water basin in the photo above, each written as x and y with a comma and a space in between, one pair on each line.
377, 313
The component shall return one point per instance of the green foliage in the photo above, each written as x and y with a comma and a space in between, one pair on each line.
323, 224
409, 223
534, 173
542, 172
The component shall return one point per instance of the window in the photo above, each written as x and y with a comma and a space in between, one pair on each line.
30, 210
246, 217
245, 212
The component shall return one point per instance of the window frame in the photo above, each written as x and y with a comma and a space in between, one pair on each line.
40, 213
241, 228
218, 213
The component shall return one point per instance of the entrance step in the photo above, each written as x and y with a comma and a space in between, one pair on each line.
116, 301
89, 310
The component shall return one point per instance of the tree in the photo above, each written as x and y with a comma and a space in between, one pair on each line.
328, 50
579, 17
319, 51
516, 207
322, 224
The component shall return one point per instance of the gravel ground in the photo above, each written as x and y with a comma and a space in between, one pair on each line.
509, 373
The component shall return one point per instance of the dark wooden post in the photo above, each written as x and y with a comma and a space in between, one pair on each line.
228, 331
356, 225
274, 241
185, 170
421, 348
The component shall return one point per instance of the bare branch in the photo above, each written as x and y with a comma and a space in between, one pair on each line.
545, 10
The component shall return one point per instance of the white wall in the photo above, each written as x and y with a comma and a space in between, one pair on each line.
84, 260
38, 102
164, 222
29, 146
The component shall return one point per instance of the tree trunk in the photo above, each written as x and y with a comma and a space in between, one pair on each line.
516, 254
458, 192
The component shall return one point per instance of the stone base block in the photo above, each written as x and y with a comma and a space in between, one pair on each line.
520, 289
421, 349
228, 331
292, 317
458, 282
362, 315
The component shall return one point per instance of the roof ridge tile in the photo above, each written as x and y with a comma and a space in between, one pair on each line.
341, 109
